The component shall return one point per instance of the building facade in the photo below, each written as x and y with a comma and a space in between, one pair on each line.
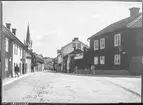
64, 57
15, 53
117, 47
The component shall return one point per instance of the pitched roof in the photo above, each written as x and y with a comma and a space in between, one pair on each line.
72, 42
136, 23
117, 25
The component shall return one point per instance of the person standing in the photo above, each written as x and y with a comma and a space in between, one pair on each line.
92, 69
16, 70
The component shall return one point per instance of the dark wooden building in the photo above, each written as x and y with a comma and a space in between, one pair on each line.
118, 46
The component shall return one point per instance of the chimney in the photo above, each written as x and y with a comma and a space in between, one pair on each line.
8, 25
75, 39
134, 11
14, 31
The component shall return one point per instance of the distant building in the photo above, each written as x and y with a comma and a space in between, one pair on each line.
118, 46
67, 49
38, 62
48, 63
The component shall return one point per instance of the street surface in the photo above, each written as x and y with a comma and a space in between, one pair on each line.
65, 88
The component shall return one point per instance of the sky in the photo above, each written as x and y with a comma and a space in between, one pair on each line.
53, 24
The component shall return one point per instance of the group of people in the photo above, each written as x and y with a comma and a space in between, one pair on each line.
16, 69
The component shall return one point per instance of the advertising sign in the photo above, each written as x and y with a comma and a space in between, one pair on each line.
79, 56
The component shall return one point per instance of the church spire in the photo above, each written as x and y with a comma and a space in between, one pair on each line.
28, 36
28, 41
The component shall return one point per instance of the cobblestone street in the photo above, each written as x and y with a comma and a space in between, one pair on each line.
63, 88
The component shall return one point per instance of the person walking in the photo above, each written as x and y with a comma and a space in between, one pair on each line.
16, 70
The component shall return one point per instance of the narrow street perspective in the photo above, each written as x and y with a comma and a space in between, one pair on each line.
71, 52
66, 88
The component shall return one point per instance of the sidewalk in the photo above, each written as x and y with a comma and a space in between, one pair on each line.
12, 79
128, 82
131, 84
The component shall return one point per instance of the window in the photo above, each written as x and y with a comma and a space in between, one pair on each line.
17, 50
117, 40
20, 52
96, 45
74, 45
14, 49
102, 43
96, 60
117, 59
78, 45
6, 44
102, 59
6, 64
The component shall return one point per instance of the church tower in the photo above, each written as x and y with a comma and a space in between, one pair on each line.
28, 41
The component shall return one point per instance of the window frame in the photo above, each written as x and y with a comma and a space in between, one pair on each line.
6, 44
117, 59
117, 39
96, 46
102, 43
14, 49
78, 45
96, 61
102, 58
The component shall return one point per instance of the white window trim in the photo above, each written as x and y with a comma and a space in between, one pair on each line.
6, 44
6, 64
96, 46
102, 60
117, 40
14, 49
117, 59
102, 43
96, 62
